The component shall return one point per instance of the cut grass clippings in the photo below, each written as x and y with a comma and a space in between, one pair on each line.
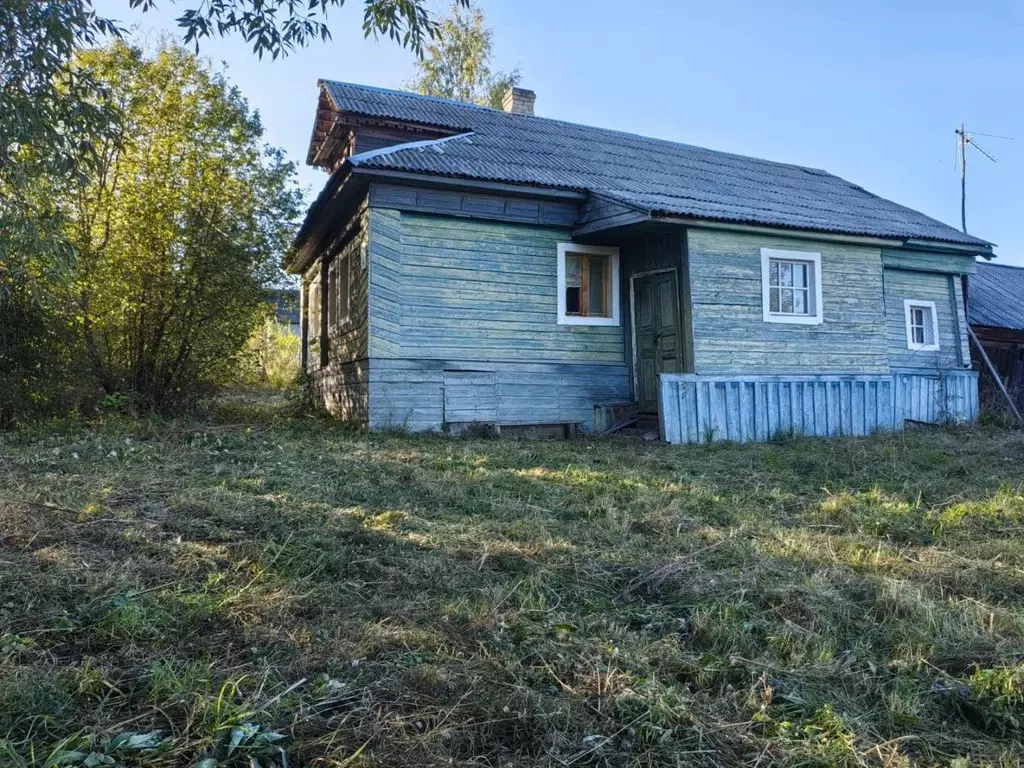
253, 586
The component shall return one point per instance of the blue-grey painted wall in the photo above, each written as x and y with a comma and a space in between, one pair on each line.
454, 313
729, 332
453, 295
343, 383
945, 291
698, 409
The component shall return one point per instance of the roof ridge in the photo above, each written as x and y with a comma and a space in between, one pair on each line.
632, 134
636, 171
413, 94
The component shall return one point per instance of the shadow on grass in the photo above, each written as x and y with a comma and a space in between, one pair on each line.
600, 602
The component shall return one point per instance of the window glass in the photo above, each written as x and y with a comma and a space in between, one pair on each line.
332, 294
596, 305
573, 284
587, 285
341, 292
789, 287
917, 331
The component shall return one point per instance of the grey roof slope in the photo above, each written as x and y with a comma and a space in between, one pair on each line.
650, 175
996, 296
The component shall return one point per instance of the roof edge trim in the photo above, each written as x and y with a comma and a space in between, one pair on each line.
362, 157
800, 234
459, 182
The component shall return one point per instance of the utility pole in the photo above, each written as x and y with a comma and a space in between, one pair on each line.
963, 138
961, 134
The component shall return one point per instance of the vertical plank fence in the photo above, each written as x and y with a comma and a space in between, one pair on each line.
698, 409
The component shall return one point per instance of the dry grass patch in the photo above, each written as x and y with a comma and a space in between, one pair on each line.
251, 587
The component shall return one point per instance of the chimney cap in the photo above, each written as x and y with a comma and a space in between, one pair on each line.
518, 101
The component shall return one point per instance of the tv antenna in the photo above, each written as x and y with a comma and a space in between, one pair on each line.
963, 139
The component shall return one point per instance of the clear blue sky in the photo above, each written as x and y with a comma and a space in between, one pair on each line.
870, 91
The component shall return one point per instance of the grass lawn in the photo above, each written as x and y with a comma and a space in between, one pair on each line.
396, 600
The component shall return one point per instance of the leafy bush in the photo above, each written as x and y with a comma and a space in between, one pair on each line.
180, 230
272, 357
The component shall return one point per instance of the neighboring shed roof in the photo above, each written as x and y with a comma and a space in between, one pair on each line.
996, 297
650, 175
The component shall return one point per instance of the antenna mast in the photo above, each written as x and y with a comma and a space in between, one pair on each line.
963, 138
961, 142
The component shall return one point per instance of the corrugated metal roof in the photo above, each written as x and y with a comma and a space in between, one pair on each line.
996, 297
651, 175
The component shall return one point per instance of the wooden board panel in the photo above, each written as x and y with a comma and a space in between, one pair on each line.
460, 289
729, 332
343, 387
925, 286
928, 261
470, 396
424, 394
698, 409
473, 205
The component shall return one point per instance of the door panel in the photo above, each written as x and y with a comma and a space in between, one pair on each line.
657, 334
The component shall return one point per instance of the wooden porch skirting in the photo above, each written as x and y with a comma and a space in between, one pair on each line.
698, 409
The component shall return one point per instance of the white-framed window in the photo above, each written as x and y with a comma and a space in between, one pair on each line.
338, 296
922, 325
314, 307
588, 284
791, 287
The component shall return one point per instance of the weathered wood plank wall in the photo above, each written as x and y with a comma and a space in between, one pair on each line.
698, 409
944, 290
343, 383
473, 205
729, 332
452, 295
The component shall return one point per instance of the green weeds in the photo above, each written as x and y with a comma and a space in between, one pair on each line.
254, 588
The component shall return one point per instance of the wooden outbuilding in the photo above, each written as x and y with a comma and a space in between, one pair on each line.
996, 307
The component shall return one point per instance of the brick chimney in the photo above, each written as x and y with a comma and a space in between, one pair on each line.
518, 101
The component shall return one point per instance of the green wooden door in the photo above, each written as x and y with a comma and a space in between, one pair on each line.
659, 348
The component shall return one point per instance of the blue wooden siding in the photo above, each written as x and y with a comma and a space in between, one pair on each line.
697, 409
729, 332
944, 290
414, 394
385, 280
343, 384
928, 261
449, 295
936, 398
475, 206
470, 396
474, 290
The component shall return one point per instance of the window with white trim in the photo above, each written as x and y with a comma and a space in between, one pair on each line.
588, 284
314, 307
922, 325
791, 287
338, 298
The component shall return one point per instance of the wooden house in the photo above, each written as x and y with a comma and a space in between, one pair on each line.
469, 265
996, 312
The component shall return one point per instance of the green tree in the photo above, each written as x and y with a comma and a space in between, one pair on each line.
178, 230
57, 126
457, 63
52, 119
